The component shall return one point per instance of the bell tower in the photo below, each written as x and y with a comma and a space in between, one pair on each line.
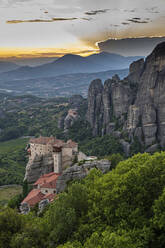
57, 157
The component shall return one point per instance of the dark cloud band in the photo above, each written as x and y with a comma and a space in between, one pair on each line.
40, 20
95, 12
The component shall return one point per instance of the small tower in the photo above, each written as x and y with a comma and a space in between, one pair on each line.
57, 157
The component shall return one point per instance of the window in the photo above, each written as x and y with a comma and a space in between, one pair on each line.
54, 191
46, 191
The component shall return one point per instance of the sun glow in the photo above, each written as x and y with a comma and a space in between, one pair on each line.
8, 52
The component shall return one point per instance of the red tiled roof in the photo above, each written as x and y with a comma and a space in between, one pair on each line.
53, 141
33, 197
36, 196
47, 180
43, 140
58, 142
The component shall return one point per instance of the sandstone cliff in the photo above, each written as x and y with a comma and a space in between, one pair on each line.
134, 105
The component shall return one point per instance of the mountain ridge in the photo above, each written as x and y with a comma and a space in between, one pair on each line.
72, 64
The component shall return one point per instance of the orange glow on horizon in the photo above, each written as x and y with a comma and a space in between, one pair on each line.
43, 52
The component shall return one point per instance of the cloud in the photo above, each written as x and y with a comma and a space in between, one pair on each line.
152, 10
95, 12
130, 46
131, 11
125, 23
137, 20
40, 20
86, 19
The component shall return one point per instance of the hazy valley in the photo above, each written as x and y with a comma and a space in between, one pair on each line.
68, 75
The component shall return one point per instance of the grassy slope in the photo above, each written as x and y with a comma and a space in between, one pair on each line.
12, 145
12, 161
8, 192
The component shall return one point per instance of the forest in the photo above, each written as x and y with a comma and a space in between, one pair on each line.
123, 208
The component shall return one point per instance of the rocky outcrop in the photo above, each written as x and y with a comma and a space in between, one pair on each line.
150, 99
76, 104
75, 101
135, 71
134, 105
70, 119
95, 106
79, 172
61, 122
38, 166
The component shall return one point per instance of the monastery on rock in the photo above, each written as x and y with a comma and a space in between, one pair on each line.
62, 155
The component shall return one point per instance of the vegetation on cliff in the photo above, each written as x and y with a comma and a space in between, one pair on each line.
123, 208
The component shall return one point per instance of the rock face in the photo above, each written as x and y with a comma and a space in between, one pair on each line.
108, 104
74, 113
79, 172
38, 166
75, 101
70, 119
134, 105
95, 106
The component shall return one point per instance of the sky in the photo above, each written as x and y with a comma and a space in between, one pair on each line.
47, 28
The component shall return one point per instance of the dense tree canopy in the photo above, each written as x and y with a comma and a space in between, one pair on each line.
121, 209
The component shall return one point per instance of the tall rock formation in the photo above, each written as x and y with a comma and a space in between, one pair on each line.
134, 105
150, 99
75, 109
95, 106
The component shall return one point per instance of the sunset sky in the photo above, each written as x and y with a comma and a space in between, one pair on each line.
43, 28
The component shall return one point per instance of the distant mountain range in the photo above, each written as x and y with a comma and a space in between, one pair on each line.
6, 66
62, 85
69, 64
68, 75
32, 62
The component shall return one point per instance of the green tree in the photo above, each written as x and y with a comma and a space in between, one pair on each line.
114, 159
10, 224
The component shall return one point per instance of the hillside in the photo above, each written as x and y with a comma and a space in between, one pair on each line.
123, 208
12, 161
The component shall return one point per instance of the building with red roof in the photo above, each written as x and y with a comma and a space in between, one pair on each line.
43, 188
62, 153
